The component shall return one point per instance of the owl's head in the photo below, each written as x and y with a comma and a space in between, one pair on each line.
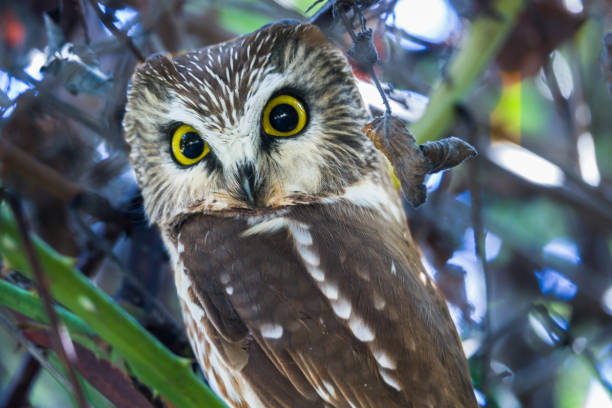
266, 120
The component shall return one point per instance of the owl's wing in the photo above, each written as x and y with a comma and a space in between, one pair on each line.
325, 305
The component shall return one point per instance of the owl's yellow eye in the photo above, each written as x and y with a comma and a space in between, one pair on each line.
284, 115
188, 147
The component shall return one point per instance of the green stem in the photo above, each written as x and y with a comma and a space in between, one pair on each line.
475, 52
152, 362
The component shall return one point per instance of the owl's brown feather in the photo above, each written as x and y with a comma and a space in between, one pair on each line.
403, 353
311, 292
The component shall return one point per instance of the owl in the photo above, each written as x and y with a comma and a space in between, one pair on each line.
299, 282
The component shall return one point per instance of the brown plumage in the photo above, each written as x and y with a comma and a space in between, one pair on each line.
298, 278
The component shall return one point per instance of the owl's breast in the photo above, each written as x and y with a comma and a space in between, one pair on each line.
327, 302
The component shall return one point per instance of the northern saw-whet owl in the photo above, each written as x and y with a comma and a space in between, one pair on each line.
299, 281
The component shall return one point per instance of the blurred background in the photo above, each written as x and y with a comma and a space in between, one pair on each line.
519, 240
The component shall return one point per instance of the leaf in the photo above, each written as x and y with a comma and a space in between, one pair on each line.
55, 35
411, 163
109, 380
158, 368
5, 101
78, 68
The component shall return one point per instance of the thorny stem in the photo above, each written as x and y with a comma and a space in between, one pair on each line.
59, 335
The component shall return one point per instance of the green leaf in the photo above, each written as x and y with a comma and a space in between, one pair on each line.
158, 368
485, 38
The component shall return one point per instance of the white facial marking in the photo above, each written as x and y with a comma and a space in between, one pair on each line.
360, 328
384, 359
342, 307
271, 330
180, 247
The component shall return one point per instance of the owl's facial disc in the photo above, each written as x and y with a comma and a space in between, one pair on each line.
266, 120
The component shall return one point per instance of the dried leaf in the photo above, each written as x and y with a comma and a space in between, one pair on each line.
412, 163
113, 383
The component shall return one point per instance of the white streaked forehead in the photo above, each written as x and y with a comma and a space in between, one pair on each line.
236, 142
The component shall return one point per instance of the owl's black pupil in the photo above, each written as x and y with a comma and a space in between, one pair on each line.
192, 145
284, 118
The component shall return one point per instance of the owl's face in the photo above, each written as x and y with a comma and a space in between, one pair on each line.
265, 120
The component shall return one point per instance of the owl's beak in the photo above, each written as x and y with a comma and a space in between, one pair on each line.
247, 181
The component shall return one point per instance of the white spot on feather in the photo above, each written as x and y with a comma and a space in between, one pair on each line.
389, 379
308, 255
229, 290
330, 290
323, 394
342, 307
330, 389
181, 247
266, 227
271, 330
423, 277
315, 272
379, 301
360, 328
384, 359
301, 234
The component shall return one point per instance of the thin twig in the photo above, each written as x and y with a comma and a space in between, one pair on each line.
80, 11
475, 187
106, 20
60, 338
34, 351
365, 53
16, 161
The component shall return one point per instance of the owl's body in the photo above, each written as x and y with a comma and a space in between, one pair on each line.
298, 278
